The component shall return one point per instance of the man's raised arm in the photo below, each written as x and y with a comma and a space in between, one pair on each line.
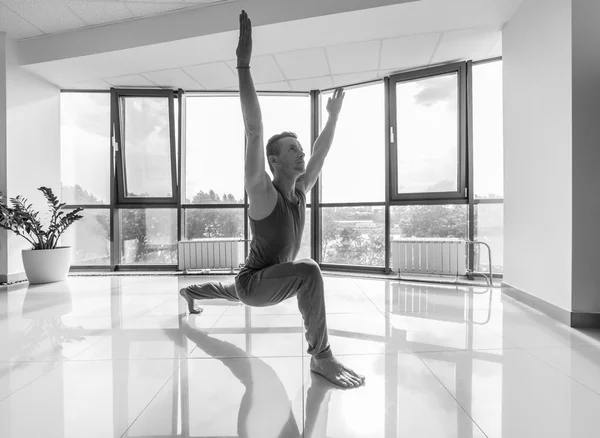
254, 172
324, 141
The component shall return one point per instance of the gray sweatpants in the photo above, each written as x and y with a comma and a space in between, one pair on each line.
272, 285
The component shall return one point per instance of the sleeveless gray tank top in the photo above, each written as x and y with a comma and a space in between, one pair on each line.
276, 238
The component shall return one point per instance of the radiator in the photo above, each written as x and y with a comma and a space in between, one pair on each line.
218, 253
429, 256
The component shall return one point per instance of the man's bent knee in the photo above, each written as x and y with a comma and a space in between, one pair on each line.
309, 269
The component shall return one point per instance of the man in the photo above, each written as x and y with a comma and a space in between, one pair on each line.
277, 212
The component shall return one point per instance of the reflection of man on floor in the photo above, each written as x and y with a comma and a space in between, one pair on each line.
265, 409
277, 211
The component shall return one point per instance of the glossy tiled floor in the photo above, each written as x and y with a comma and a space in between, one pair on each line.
116, 356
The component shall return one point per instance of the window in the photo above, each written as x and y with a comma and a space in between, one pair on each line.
214, 150
287, 113
428, 154
488, 180
85, 148
214, 222
145, 140
89, 238
353, 170
353, 235
488, 131
148, 236
489, 228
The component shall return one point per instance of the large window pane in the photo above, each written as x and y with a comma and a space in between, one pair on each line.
85, 147
427, 134
354, 169
304, 252
353, 235
489, 228
214, 222
428, 221
287, 113
147, 142
89, 238
215, 150
487, 130
148, 236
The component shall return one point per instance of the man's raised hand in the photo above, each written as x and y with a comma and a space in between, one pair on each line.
244, 48
334, 103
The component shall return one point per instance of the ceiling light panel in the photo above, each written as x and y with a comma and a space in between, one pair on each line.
355, 57
173, 78
312, 84
465, 45
214, 76
264, 69
302, 64
49, 16
408, 52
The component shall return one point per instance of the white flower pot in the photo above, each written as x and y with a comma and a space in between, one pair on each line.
47, 265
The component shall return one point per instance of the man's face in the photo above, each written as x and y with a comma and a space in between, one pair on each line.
291, 156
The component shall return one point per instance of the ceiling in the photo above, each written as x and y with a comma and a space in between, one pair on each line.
289, 55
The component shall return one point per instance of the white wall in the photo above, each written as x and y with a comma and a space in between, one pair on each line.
586, 155
538, 155
3, 155
33, 142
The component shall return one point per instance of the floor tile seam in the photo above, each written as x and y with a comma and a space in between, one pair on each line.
466, 350
169, 379
102, 339
453, 397
208, 330
563, 373
59, 364
381, 312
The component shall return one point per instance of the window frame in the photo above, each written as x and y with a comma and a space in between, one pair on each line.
460, 68
118, 140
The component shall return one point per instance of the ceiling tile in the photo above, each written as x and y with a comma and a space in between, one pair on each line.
303, 63
50, 16
15, 26
130, 81
264, 69
149, 9
99, 12
312, 84
173, 78
355, 57
274, 86
214, 76
98, 84
465, 44
354, 78
408, 52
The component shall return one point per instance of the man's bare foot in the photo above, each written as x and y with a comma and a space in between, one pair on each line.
335, 372
190, 302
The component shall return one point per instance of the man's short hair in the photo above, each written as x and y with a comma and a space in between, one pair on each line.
273, 147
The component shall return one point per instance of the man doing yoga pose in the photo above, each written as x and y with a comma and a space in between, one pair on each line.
276, 209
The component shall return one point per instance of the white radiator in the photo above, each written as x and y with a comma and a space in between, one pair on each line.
218, 253
429, 256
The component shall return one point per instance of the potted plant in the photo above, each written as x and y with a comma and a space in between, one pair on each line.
44, 262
